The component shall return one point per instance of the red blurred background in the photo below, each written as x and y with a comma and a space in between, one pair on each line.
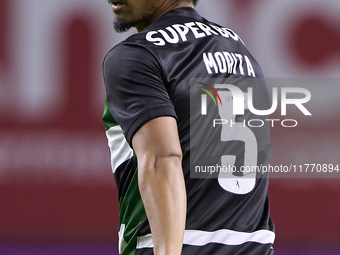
56, 184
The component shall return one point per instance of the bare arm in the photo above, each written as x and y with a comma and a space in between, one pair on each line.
161, 183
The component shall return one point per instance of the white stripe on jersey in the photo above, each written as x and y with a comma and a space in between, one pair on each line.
222, 236
119, 147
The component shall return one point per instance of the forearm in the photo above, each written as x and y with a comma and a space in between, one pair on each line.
162, 188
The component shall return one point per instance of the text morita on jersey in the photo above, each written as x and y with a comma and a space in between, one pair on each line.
225, 62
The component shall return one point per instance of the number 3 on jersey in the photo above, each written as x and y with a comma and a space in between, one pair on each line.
236, 132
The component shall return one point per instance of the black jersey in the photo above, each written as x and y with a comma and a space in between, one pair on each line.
178, 67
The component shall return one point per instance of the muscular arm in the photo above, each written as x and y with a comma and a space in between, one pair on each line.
161, 183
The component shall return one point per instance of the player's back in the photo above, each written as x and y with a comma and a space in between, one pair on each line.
228, 210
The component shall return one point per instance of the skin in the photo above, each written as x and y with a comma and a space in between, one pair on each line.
141, 13
157, 147
161, 183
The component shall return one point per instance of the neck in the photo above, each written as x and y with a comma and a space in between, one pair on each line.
165, 7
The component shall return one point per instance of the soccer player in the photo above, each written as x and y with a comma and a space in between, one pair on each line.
168, 119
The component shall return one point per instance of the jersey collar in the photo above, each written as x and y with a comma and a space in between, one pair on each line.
172, 16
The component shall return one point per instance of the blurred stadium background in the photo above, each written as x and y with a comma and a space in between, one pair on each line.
57, 192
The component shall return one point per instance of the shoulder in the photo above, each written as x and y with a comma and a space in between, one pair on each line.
125, 49
130, 55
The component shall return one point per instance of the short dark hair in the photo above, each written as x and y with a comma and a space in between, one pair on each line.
195, 2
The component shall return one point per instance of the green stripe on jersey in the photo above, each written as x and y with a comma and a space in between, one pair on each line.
131, 208
131, 214
108, 120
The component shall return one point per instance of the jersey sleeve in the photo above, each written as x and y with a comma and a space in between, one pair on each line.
135, 89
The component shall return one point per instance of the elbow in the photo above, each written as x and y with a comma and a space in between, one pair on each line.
160, 161
172, 161
159, 168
